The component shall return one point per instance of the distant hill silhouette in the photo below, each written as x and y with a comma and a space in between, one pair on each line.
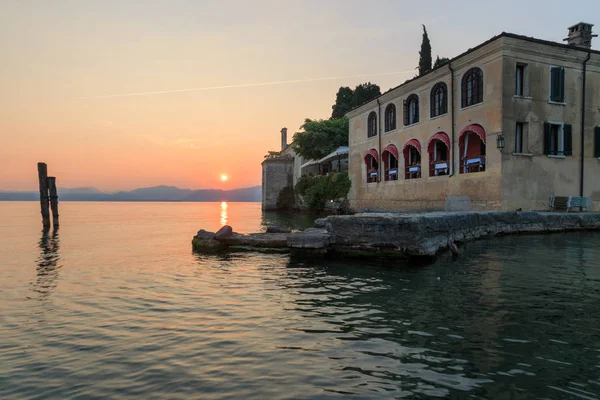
156, 193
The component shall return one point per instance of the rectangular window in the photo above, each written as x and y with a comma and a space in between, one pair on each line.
557, 84
558, 139
519, 138
520, 80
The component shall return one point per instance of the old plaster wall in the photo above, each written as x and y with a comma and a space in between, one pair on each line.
277, 173
298, 161
429, 193
529, 178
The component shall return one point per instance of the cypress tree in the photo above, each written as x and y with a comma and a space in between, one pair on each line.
425, 54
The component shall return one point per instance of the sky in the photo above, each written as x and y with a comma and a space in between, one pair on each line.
106, 92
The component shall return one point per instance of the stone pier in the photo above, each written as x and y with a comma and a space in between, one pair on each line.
396, 234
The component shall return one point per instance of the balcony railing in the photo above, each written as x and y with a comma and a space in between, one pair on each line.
413, 171
371, 177
439, 168
391, 174
472, 164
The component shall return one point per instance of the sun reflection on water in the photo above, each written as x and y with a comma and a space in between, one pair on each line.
224, 216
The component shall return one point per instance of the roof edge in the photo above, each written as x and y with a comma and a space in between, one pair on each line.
471, 50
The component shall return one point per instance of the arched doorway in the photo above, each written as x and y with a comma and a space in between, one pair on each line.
439, 152
372, 161
389, 157
472, 147
412, 159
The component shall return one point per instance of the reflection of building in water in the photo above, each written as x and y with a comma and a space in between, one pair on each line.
47, 263
224, 216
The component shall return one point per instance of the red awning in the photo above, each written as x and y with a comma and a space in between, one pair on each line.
372, 153
440, 136
413, 142
478, 129
392, 149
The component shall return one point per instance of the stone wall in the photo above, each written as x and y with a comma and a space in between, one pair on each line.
277, 173
426, 234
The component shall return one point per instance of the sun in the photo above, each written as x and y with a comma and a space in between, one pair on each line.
224, 177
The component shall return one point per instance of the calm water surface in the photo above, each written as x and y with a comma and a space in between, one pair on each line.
115, 305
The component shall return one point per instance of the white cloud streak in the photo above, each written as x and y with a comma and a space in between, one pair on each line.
247, 85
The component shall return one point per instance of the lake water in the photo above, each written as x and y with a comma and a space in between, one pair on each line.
115, 305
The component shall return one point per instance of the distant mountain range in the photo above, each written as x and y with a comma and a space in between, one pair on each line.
156, 193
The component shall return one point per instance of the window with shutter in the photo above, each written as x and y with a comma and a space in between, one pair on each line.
557, 84
411, 110
567, 140
561, 84
547, 139
597, 142
372, 124
558, 139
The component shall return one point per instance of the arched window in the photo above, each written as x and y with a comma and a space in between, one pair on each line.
439, 99
389, 156
372, 162
439, 149
472, 149
372, 124
412, 159
390, 117
472, 87
411, 110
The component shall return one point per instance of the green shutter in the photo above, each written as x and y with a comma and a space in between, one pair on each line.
557, 84
561, 84
597, 142
547, 139
568, 139
554, 79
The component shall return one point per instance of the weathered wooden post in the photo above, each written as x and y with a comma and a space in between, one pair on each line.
43, 178
53, 200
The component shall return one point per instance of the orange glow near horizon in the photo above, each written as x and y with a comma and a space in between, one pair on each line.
119, 95
195, 96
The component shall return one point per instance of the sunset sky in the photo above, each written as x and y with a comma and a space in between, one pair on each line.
63, 60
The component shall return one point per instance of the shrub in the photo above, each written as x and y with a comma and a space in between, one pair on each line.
303, 184
317, 191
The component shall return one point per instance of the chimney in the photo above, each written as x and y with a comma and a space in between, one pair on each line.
283, 139
580, 35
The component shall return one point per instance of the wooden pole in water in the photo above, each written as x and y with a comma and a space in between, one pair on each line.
43, 178
53, 200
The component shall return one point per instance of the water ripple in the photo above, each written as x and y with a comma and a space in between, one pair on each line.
514, 317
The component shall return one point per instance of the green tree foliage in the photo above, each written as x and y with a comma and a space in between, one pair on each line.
440, 61
346, 99
344, 102
318, 138
273, 154
365, 92
425, 54
319, 190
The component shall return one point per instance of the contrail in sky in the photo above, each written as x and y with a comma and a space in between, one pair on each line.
245, 85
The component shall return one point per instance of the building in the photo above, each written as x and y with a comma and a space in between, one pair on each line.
278, 172
503, 126
283, 169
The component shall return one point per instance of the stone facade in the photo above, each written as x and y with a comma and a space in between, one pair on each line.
508, 178
278, 173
